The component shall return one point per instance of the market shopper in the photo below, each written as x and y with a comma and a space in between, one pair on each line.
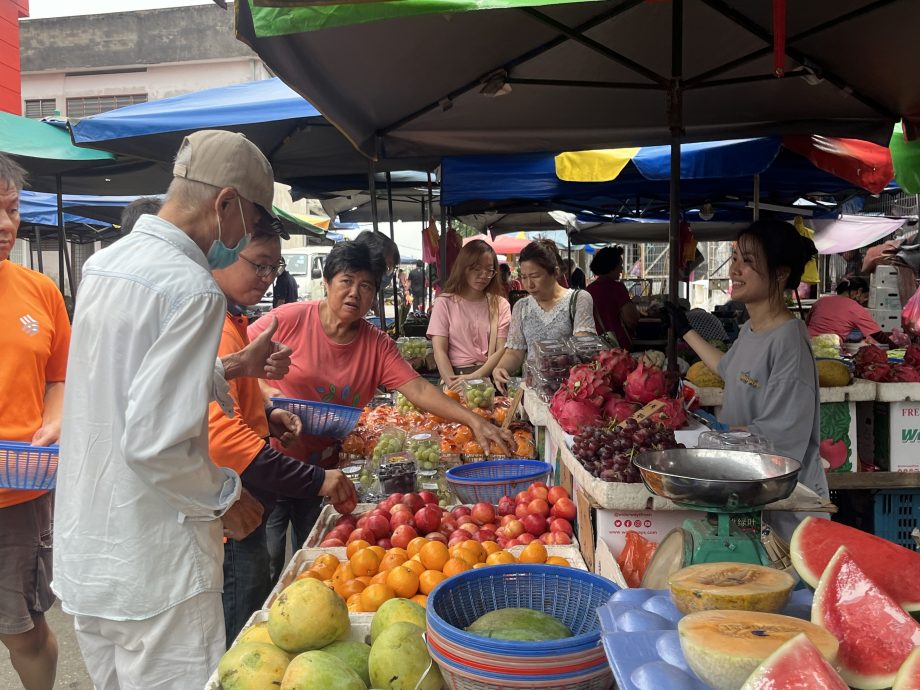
285, 289
341, 358
34, 336
417, 286
549, 312
141, 509
575, 274
507, 282
241, 443
845, 313
614, 311
771, 382
137, 208
470, 319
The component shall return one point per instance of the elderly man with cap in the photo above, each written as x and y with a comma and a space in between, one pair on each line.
141, 509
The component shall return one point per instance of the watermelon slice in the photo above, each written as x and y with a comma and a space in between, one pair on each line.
908, 677
796, 665
876, 635
893, 568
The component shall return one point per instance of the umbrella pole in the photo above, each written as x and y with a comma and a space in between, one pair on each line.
372, 190
38, 242
675, 120
64, 257
393, 237
442, 247
757, 196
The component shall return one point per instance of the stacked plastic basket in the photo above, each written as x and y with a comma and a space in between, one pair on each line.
472, 662
489, 481
23, 466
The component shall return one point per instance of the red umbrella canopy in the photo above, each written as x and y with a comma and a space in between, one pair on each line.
504, 244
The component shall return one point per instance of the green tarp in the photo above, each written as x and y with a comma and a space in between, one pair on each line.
906, 158
281, 17
44, 146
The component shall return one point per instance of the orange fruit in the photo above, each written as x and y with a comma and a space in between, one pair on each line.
557, 560
534, 552
310, 573
325, 569
379, 550
380, 578
366, 579
463, 436
500, 558
326, 558
355, 546
466, 556
343, 573
415, 546
391, 560
364, 562
455, 566
452, 394
434, 555
421, 600
480, 565
347, 589
400, 551
430, 579
372, 597
473, 448
415, 566
354, 603
476, 548
403, 581
491, 547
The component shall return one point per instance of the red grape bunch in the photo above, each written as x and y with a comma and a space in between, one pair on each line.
607, 451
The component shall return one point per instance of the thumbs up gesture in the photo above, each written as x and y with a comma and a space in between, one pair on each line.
264, 358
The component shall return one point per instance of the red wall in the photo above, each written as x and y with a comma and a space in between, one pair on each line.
10, 84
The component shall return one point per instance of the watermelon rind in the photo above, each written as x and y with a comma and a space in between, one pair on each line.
797, 664
875, 641
908, 677
893, 568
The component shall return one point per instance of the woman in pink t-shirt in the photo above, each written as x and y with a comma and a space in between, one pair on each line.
845, 312
469, 322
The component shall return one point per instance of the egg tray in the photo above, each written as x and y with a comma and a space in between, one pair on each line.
639, 633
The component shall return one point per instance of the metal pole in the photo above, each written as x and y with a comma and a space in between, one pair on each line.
38, 241
65, 253
675, 121
757, 196
443, 247
372, 190
62, 238
393, 237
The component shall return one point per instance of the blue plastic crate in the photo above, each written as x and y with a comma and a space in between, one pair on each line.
320, 418
490, 480
24, 466
896, 514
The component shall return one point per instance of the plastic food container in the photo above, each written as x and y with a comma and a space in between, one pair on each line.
586, 347
546, 386
426, 448
553, 357
392, 440
397, 477
479, 393
734, 440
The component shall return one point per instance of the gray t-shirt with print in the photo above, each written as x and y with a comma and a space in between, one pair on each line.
771, 387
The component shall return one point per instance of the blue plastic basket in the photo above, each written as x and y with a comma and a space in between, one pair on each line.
320, 418
23, 466
490, 480
896, 514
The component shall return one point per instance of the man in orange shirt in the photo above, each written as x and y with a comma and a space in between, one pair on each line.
34, 337
241, 442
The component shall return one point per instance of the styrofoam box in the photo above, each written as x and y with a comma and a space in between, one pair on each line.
326, 521
654, 525
886, 318
360, 631
885, 277
902, 420
885, 298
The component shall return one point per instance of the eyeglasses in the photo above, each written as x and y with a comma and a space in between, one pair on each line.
263, 270
489, 272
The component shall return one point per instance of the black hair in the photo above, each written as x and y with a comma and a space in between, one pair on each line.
782, 247
606, 260
545, 254
419, 264
355, 256
137, 208
854, 284
505, 269
387, 247
11, 173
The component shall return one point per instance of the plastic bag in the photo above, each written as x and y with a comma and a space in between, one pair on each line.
635, 557
810, 275
910, 315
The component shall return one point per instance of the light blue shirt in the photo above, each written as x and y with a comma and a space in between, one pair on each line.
138, 499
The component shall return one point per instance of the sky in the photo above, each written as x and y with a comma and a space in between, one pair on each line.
66, 8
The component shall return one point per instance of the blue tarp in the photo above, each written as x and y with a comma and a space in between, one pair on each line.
40, 208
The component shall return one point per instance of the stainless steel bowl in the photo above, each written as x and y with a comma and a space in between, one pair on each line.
723, 480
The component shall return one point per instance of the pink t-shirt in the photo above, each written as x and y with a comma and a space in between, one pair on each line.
839, 314
465, 324
326, 371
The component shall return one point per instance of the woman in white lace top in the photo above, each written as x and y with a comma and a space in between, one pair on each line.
548, 311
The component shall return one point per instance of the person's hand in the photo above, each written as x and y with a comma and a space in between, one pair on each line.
338, 488
500, 377
243, 517
457, 383
677, 319
47, 434
285, 426
264, 358
487, 433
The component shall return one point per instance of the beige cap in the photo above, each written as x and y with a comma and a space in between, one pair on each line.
228, 159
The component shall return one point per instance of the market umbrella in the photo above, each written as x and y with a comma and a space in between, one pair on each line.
502, 245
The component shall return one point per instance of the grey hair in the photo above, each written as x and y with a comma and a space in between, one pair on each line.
11, 173
191, 194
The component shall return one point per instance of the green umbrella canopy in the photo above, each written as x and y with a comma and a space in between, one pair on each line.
297, 226
43, 148
906, 158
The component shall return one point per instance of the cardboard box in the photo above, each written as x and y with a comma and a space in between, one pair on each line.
585, 525
897, 436
838, 437
606, 566
654, 525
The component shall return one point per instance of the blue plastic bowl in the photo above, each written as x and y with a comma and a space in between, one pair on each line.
321, 418
24, 466
490, 480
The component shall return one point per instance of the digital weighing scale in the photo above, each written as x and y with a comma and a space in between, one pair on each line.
731, 487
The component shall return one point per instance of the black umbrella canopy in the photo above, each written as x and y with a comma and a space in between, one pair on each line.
599, 74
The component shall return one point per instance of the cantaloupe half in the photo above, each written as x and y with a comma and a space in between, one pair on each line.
730, 586
724, 647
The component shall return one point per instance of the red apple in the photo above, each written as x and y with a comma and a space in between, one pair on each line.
402, 535
349, 519
362, 521
448, 525
513, 529
428, 497
459, 539
525, 538
506, 519
460, 511
395, 498
513, 542
470, 527
555, 493
564, 508
380, 512
380, 526
399, 506
560, 525
362, 533
414, 501
505, 506
520, 511
503, 542
385, 543
561, 538
500, 532
490, 526
383, 505
484, 535
546, 538
538, 492
538, 506
436, 536
534, 524
539, 484
465, 520
342, 533
428, 518
458, 533
482, 513
401, 517
522, 497
331, 542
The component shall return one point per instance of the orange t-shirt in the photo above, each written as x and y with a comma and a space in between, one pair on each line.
34, 338
236, 442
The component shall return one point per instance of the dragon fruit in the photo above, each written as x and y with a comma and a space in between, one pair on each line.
644, 384
587, 384
618, 410
573, 415
912, 355
903, 373
867, 356
615, 365
875, 372
672, 415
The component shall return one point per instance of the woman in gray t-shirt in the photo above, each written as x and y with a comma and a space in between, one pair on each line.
547, 313
771, 383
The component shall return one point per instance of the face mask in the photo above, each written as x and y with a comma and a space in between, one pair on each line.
222, 256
